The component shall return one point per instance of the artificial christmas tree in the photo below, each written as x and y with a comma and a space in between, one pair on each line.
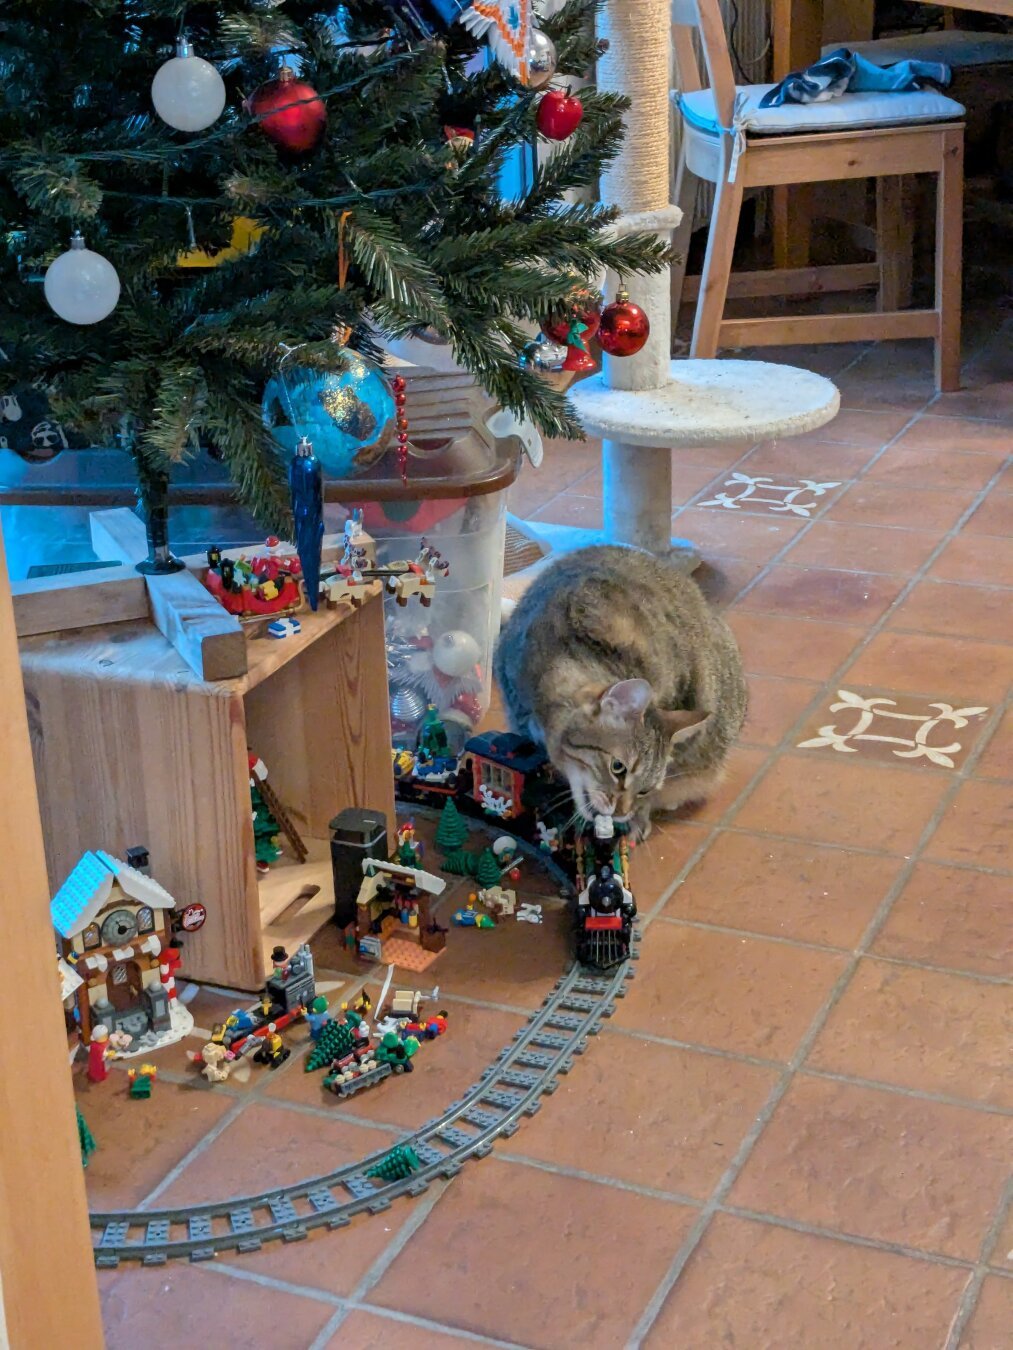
358, 225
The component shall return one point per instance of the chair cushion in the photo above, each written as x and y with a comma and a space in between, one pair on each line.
953, 48
846, 113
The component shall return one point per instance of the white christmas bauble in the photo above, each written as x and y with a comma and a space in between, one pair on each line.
81, 286
188, 92
455, 653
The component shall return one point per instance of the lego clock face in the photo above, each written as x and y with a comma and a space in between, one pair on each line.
118, 927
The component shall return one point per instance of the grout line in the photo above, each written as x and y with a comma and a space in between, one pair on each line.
979, 977
851, 1239
918, 1094
400, 1240
219, 1127
614, 1183
245, 1275
424, 1324
798, 1059
969, 1299
862, 850
326, 1333
715, 1051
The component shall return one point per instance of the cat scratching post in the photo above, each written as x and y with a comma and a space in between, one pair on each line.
646, 406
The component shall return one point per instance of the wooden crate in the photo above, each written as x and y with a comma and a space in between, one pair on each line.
132, 746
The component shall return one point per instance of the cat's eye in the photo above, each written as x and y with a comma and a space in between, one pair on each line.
617, 768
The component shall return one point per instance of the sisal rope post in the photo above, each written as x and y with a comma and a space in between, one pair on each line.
637, 64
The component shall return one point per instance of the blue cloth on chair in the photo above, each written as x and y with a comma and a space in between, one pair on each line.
843, 70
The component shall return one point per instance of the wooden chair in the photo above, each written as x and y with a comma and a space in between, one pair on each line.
728, 141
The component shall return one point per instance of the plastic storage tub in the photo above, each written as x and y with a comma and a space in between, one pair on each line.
455, 497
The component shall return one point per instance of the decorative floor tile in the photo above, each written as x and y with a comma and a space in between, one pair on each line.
735, 1292
765, 497
878, 727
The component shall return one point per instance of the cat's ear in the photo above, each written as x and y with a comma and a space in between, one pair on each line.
626, 702
680, 724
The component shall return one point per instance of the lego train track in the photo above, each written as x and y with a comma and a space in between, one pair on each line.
511, 1088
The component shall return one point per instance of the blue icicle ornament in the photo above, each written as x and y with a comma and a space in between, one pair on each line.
306, 480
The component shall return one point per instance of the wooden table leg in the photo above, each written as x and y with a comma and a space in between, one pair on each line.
47, 1276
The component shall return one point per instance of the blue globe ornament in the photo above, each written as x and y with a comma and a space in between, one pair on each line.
348, 414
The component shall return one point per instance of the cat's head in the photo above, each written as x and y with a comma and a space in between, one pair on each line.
615, 747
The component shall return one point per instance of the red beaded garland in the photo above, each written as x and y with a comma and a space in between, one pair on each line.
400, 385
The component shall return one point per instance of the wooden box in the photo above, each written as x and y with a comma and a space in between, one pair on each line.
131, 746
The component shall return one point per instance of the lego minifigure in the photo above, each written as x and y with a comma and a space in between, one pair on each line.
317, 1016
99, 1051
281, 962
273, 1050
142, 1080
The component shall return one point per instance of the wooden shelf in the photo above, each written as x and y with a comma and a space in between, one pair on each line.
132, 747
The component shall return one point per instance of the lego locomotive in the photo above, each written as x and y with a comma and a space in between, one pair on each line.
503, 777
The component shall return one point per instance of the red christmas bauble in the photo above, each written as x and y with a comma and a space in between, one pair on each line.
558, 114
301, 115
559, 330
579, 360
624, 327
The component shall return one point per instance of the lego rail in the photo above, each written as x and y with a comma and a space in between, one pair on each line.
510, 1088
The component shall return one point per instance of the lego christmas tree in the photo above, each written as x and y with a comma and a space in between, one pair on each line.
461, 863
452, 831
335, 1040
265, 829
85, 1138
432, 737
487, 872
400, 1162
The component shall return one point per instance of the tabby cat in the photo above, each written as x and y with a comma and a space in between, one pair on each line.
614, 661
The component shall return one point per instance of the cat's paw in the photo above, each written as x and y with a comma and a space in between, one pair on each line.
641, 825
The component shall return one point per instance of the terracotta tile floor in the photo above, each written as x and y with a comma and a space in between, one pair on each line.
795, 1133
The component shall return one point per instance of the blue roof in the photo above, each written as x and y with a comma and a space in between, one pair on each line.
509, 749
88, 887
90, 881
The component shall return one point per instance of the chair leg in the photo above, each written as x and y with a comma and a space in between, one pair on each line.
894, 235
717, 267
685, 200
949, 243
